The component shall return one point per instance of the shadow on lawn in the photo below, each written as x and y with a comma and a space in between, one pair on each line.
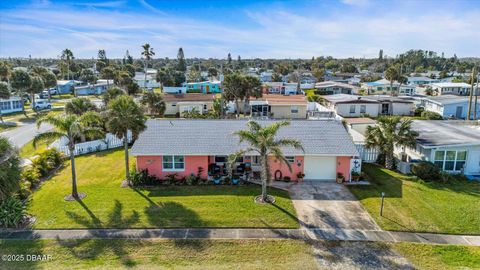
93, 248
33, 246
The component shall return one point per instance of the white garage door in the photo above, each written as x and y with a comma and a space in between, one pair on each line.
320, 168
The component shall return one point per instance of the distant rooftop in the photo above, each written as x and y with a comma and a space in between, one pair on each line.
451, 84
188, 97
448, 99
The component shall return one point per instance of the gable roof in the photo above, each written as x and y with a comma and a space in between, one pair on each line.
351, 99
277, 99
216, 137
447, 99
333, 84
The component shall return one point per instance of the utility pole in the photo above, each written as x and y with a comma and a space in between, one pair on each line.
470, 99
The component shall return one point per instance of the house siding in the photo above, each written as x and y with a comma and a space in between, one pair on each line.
154, 166
343, 167
276, 165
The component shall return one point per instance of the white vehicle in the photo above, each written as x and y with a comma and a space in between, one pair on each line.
40, 104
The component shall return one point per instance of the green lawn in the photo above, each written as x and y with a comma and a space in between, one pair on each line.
161, 254
412, 205
28, 151
109, 206
444, 257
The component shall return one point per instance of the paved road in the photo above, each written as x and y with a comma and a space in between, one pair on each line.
329, 206
21, 135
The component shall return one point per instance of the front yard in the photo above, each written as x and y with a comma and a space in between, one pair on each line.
413, 205
109, 206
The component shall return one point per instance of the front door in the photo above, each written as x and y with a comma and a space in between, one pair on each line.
459, 112
385, 108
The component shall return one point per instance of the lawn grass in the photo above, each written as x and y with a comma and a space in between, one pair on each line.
4, 127
444, 257
413, 205
28, 151
109, 206
161, 254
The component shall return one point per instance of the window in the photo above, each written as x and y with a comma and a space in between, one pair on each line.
255, 160
239, 160
294, 109
220, 159
450, 160
352, 108
5, 105
205, 107
173, 163
363, 108
17, 104
290, 159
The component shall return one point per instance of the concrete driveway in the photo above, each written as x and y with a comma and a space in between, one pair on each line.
328, 205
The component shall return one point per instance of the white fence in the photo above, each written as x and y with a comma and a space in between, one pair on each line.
110, 141
368, 155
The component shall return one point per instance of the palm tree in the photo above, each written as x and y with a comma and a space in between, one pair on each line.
111, 94
263, 141
71, 127
4, 94
391, 74
389, 132
125, 115
67, 57
79, 106
154, 102
147, 54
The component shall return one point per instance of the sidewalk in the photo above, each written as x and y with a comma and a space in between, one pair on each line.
304, 234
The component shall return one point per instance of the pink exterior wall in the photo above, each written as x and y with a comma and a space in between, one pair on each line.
277, 165
343, 166
154, 165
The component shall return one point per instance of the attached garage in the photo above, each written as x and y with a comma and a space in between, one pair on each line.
320, 168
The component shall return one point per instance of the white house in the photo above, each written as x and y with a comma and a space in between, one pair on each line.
449, 106
93, 89
357, 106
382, 87
175, 90
445, 88
11, 105
150, 82
421, 80
331, 87
454, 146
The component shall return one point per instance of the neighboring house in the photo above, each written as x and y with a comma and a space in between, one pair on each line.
66, 86
11, 105
177, 104
416, 81
332, 88
266, 76
450, 88
449, 106
280, 88
279, 107
93, 89
174, 90
356, 106
150, 82
184, 146
452, 145
382, 87
206, 87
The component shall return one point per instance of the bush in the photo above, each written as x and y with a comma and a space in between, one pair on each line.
419, 111
426, 171
12, 211
191, 180
47, 161
10, 170
31, 175
427, 115
142, 178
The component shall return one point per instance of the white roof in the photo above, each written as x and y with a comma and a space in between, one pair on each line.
451, 84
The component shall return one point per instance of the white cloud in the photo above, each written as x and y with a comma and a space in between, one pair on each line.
278, 33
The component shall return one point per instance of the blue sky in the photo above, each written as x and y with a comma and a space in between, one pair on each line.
265, 29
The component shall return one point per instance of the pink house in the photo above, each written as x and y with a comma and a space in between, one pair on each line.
184, 146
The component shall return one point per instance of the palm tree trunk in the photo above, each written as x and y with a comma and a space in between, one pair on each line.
145, 81
237, 108
389, 160
74, 175
127, 169
264, 177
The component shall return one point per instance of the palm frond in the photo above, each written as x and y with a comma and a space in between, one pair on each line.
47, 136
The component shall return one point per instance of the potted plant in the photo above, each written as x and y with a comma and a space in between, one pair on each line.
217, 180
340, 178
235, 179
286, 179
355, 176
300, 176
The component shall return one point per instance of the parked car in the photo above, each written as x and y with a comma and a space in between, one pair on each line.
40, 104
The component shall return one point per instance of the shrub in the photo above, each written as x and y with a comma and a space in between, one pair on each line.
47, 161
12, 211
191, 180
31, 175
427, 115
10, 171
171, 178
426, 171
287, 179
419, 111
25, 190
142, 178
